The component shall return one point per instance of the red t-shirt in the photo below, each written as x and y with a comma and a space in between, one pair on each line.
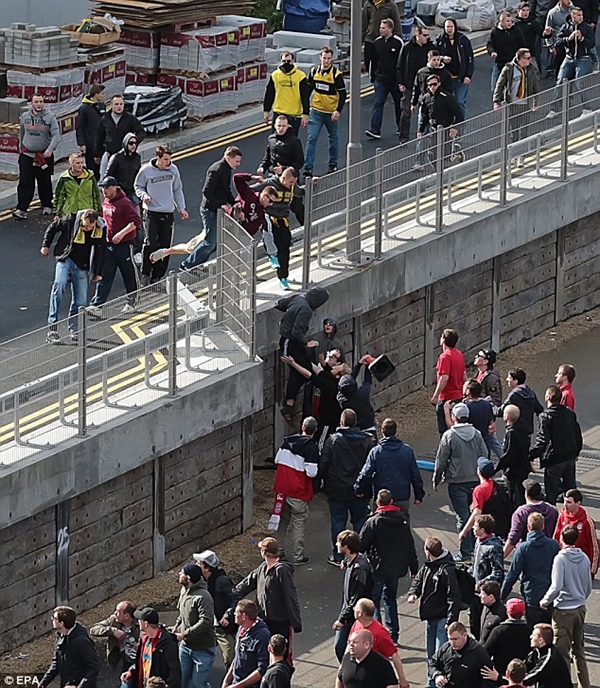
382, 641
451, 362
481, 494
568, 398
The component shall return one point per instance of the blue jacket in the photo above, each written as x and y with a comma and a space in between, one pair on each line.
391, 465
251, 652
533, 562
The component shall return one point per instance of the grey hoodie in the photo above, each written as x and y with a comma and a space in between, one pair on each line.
163, 186
38, 132
457, 454
571, 580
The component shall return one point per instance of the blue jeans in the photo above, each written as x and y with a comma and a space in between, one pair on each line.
204, 251
382, 90
338, 513
387, 589
496, 69
196, 666
435, 637
316, 121
341, 640
460, 91
572, 69
67, 270
461, 496
493, 444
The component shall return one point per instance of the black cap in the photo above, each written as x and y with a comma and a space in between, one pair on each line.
491, 355
108, 181
147, 614
193, 572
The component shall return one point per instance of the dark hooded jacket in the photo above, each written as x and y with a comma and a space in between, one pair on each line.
436, 586
124, 166
220, 586
88, 118
164, 662
196, 617
285, 150
351, 396
558, 437
463, 667
87, 255
298, 311
343, 456
464, 51
75, 660
388, 525
515, 458
110, 134
326, 342
525, 398
507, 641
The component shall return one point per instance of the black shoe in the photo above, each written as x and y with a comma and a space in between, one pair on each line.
333, 561
308, 172
402, 141
331, 169
301, 562
372, 134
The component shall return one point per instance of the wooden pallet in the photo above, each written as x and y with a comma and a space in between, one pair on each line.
8, 128
41, 70
191, 25
9, 176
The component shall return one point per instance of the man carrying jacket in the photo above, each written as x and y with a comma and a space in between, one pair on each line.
557, 445
436, 588
392, 465
194, 628
79, 249
390, 562
76, 189
344, 454
287, 93
112, 127
457, 55
92, 108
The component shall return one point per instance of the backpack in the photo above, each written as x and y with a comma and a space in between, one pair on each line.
466, 586
500, 506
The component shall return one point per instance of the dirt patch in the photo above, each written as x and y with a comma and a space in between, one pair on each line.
240, 554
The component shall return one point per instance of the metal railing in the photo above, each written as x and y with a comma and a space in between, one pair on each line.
191, 325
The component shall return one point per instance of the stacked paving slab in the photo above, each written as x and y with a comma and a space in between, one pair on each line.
29, 46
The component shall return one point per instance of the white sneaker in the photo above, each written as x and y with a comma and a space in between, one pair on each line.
159, 254
138, 259
520, 162
96, 311
586, 111
47, 211
552, 114
127, 309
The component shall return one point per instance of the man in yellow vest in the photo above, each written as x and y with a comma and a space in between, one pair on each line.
287, 94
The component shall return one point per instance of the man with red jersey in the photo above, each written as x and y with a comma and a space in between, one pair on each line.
573, 514
450, 376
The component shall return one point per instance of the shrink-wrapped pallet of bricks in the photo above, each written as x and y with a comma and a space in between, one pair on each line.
27, 45
62, 89
201, 96
9, 151
142, 48
111, 72
251, 81
200, 51
252, 39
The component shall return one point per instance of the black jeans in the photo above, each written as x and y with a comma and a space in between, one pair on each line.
405, 113
159, 234
29, 174
283, 240
117, 256
297, 350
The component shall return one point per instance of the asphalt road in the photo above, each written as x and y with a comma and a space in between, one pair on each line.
26, 277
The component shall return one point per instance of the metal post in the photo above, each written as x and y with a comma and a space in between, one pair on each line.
503, 152
253, 300
564, 130
439, 178
172, 362
220, 296
378, 201
308, 207
82, 373
354, 148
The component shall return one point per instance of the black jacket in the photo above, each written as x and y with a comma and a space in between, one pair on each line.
298, 311
386, 54
124, 166
344, 454
508, 641
329, 409
505, 43
420, 84
75, 660
558, 437
523, 397
576, 49
88, 118
92, 255
109, 136
547, 668
358, 583
490, 618
530, 29
590, 11
464, 50
515, 457
412, 58
462, 669
351, 396
217, 186
220, 586
165, 660
278, 675
436, 586
283, 150
492, 386
388, 525
439, 108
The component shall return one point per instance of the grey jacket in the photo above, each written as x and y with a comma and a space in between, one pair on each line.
163, 186
196, 617
457, 454
555, 20
38, 132
571, 580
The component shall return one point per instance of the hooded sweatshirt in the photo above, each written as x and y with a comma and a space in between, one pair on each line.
78, 245
124, 166
351, 396
298, 311
88, 117
254, 213
344, 454
436, 586
163, 186
285, 150
38, 132
76, 193
118, 213
75, 660
252, 652
515, 457
328, 342
587, 540
457, 454
196, 616
571, 580
525, 398
297, 464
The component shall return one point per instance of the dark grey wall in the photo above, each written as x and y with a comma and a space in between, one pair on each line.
57, 13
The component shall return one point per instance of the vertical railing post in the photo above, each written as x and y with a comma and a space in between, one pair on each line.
378, 201
504, 162
439, 178
252, 278
221, 249
82, 372
172, 362
308, 210
564, 129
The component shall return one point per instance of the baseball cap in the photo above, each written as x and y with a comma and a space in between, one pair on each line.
208, 557
533, 489
433, 77
147, 614
515, 607
460, 411
108, 181
270, 545
486, 467
193, 572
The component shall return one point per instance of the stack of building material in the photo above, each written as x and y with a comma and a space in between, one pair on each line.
108, 67
200, 51
252, 37
142, 54
304, 46
27, 45
251, 82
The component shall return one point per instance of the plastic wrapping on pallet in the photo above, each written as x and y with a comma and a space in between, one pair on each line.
200, 50
142, 47
251, 81
110, 72
68, 138
156, 107
62, 89
132, 76
253, 36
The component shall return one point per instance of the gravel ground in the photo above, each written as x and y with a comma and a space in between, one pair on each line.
240, 554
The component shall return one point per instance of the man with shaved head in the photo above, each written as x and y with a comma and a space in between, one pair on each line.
362, 667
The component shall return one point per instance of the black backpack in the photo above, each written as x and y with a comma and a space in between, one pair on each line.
466, 585
500, 506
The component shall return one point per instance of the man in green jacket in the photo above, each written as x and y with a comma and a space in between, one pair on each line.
76, 189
